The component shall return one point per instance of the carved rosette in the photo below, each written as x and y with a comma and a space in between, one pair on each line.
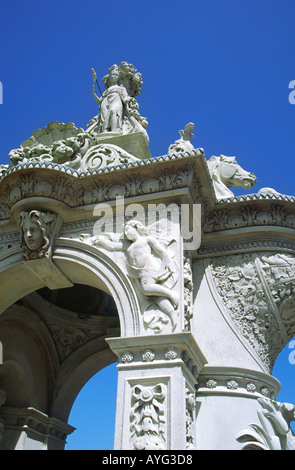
256, 291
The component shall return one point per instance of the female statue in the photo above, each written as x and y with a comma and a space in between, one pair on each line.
118, 106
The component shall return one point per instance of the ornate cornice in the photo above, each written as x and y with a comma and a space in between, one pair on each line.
74, 188
99, 171
234, 381
37, 423
256, 197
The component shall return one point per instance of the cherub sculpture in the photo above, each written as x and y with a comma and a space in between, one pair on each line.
150, 264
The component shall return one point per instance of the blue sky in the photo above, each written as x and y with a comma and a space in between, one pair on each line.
223, 64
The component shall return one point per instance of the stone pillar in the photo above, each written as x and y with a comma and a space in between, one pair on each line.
157, 376
227, 400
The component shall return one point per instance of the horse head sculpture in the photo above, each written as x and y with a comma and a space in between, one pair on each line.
225, 173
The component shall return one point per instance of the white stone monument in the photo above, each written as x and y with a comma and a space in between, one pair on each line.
108, 254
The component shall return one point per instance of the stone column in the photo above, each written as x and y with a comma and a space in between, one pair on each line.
227, 400
157, 376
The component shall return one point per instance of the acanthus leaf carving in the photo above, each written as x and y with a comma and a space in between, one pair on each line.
248, 216
68, 339
274, 431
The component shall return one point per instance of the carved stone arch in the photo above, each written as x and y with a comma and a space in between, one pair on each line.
97, 269
80, 263
76, 376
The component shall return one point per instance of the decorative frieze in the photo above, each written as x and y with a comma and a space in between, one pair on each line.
249, 215
255, 290
236, 382
76, 188
159, 355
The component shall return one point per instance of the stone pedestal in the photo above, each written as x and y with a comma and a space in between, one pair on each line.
156, 391
226, 401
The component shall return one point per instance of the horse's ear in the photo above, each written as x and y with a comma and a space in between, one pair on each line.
225, 158
213, 159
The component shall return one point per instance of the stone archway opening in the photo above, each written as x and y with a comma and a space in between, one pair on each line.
93, 412
84, 300
53, 343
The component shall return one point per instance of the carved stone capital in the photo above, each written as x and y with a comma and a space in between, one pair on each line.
36, 426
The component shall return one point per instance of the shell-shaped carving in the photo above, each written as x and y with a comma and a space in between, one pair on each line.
53, 132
